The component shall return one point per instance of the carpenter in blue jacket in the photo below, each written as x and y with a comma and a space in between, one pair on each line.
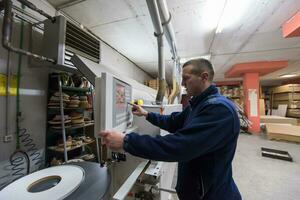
203, 142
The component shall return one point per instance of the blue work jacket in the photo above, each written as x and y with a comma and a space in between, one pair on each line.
203, 143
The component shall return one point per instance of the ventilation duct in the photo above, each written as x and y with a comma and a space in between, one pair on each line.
62, 40
81, 43
161, 19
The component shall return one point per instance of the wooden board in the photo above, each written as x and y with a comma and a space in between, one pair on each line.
292, 96
284, 132
293, 113
262, 108
287, 88
277, 120
290, 104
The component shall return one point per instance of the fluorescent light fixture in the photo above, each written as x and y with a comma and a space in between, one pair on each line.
183, 60
232, 13
287, 75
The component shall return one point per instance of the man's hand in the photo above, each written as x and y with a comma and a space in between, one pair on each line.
112, 139
139, 111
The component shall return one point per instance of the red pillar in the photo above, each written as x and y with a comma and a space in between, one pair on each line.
251, 100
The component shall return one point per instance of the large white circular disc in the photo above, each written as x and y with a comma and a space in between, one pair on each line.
70, 177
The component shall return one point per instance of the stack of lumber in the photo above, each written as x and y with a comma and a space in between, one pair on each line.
288, 95
154, 84
278, 120
284, 132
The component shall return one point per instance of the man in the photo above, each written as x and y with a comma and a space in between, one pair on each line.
203, 142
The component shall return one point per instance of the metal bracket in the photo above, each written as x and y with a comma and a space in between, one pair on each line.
168, 21
154, 169
130, 181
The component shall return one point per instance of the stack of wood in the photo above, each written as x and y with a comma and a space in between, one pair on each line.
235, 93
154, 84
285, 132
287, 95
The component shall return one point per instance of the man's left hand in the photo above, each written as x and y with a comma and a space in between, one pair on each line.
112, 139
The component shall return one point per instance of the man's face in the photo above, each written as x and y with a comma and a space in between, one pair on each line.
194, 83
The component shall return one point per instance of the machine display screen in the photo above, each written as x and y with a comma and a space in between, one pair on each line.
122, 95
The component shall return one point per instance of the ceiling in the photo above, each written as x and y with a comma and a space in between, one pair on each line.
253, 34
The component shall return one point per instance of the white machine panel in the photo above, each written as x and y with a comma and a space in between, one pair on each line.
112, 110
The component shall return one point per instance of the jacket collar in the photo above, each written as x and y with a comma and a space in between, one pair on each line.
212, 89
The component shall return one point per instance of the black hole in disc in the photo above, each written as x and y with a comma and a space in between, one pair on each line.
44, 184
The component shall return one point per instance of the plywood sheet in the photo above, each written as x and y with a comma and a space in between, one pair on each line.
287, 88
277, 120
294, 96
284, 132
262, 108
290, 104
293, 113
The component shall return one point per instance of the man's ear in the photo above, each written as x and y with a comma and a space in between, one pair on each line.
205, 76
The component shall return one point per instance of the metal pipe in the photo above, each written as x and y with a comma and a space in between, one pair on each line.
170, 36
156, 189
33, 7
161, 71
6, 35
62, 118
167, 26
28, 14
158, 32
161, 61
154, 13
167, 190
175, 89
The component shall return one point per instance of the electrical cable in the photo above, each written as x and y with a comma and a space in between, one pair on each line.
7, 94
18, 114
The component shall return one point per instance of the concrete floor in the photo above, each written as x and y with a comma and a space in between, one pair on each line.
262, 178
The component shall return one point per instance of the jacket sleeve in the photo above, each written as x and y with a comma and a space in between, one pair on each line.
170, 123
209, 131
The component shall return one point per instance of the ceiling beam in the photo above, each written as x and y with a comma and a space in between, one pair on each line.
291, 28
260, 67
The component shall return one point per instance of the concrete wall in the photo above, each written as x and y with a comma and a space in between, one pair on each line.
33, 99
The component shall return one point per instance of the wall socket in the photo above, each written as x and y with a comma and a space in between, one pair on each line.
8, 138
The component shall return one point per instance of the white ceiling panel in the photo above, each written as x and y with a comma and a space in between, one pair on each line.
286, 9
130, 45
270, 41
294, 68
194, 25
98, 12
57, 3
219, 62
234, 38
286, 54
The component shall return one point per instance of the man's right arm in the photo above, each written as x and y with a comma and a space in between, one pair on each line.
170, 123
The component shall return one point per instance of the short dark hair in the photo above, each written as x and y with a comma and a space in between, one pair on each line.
200, 65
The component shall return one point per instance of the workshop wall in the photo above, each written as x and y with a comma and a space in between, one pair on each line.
33, 98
